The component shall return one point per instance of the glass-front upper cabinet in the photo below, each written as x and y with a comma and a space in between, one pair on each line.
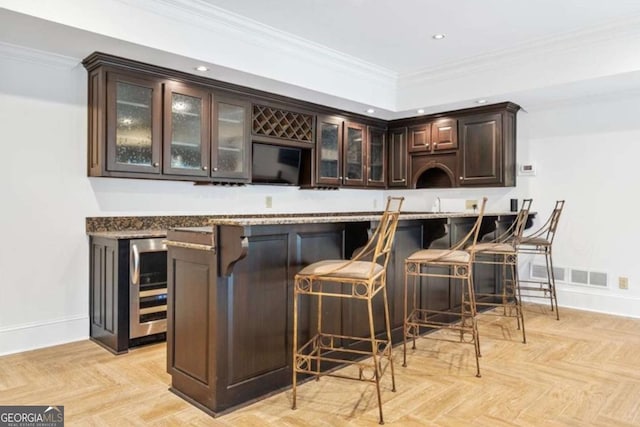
354, 154
134, 121
329, 151
376, 157
229, 150
186, 130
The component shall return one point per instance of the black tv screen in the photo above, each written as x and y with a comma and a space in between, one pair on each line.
272, 164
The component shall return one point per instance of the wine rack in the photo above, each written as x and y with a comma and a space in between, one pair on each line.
274, 122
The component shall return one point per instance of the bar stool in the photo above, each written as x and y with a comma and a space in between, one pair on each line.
361, 278
540, 242
503, 251
458, 263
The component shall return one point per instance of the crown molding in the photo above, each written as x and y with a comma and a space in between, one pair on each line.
620, 29
38, 57
217, 20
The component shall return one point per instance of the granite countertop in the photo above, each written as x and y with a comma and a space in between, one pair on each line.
129, 234
125, 227
328, 218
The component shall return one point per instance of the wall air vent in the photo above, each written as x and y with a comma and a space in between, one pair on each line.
539, 272
580, 277
598, 279
575, 276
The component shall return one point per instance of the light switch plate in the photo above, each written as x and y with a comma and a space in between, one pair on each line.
527, 169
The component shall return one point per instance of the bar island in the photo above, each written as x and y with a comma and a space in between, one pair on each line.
230, 290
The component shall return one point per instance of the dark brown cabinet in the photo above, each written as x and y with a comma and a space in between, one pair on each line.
487, 148
329, 150
143, 125
420, 138
376, 157
354, 154
133, 124
108, 293
342, 153
438, 135
444, 135
186, 130
230, 144
398, 156
150, 122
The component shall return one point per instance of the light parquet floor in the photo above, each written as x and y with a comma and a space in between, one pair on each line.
581, 370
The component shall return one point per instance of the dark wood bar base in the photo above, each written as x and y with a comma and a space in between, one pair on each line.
229, 338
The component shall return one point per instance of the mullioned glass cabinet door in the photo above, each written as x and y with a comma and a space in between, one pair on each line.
230, 152
134, 122
376, 157
329, 151
186, 130
354, 154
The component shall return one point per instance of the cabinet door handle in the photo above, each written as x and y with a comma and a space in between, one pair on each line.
435, 145
204, 168
403, 179
461, 178
215, 169
156, 164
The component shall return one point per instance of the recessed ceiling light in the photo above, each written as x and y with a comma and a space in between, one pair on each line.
438, 36
421, 111
481, 101
202, 68
370, 110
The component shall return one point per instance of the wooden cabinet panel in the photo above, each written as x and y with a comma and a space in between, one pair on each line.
259, 310
420, 138
398, 156
444, 134
192, 320
108, 294
480, 159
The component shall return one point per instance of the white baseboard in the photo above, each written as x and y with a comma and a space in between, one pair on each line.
30, 336
594, 300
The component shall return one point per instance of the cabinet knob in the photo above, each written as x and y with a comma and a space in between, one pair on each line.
435, 145
204, 168
215, 169
341, 177
347, 178
156, 164
461, 178
403, 179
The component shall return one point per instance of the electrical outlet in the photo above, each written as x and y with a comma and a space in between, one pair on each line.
268, 202
470, 204
623, 282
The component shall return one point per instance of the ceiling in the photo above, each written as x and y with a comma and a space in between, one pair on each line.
358, 54
397, 34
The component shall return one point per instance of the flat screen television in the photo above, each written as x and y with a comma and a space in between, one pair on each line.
273, 164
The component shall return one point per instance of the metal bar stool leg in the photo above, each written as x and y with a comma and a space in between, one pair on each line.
389, 349
374, 355
552, 279
295, 342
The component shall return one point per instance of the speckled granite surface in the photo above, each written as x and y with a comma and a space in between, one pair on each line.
130, 227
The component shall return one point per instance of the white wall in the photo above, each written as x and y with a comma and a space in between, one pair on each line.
583, 153
587, 153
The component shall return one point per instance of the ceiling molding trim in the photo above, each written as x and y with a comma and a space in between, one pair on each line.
622, 29
39, 57
215, 19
